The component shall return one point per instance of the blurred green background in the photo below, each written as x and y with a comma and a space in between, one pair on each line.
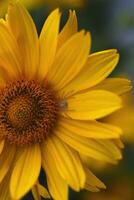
111, 23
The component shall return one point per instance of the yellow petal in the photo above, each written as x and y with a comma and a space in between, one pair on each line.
69, 29
97, 149
38, 191
67, 161
90, 129
43, 191
119, 143
6, 158
92, 182
10, 61
24, 30
4, 188
48, 42
111, 147
26, 171
70, 59
56, 184
4, 76
91, 188
2, 142
92, 105
115, 85
96, 69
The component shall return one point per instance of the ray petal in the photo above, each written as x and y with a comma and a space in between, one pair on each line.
26, 171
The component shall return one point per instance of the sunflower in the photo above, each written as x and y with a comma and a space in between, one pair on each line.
49, 106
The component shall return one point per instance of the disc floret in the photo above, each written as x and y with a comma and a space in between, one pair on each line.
28, 112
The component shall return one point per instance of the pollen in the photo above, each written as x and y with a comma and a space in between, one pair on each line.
28, 112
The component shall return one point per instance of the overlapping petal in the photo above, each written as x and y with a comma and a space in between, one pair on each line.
6, 159
92, 105
67, 161
26, 171
119, 143
39, 191
92, 182
98, 66
57, 186
10, 61
48, 42
4, 76
70, 28
90, 129
24, 30
98, 149
70, 59
2, 142
115, 85
4, 187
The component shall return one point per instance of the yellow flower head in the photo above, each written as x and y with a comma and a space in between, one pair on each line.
52, 93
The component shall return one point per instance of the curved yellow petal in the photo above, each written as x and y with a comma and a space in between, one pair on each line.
38, 190
70, 59
67, 161
98, 66
10, 61
24, 30
97, 149
119, 143
111, 147
6, 159
4, 76
90, 129
4, 188
2, 143
92, 105
91, 188
48, 42
26, 171
70, 28
115, 85
43, 191
57, 186
35, 193
92, 182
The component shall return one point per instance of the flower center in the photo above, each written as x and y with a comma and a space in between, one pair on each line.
20, 112
28, 112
